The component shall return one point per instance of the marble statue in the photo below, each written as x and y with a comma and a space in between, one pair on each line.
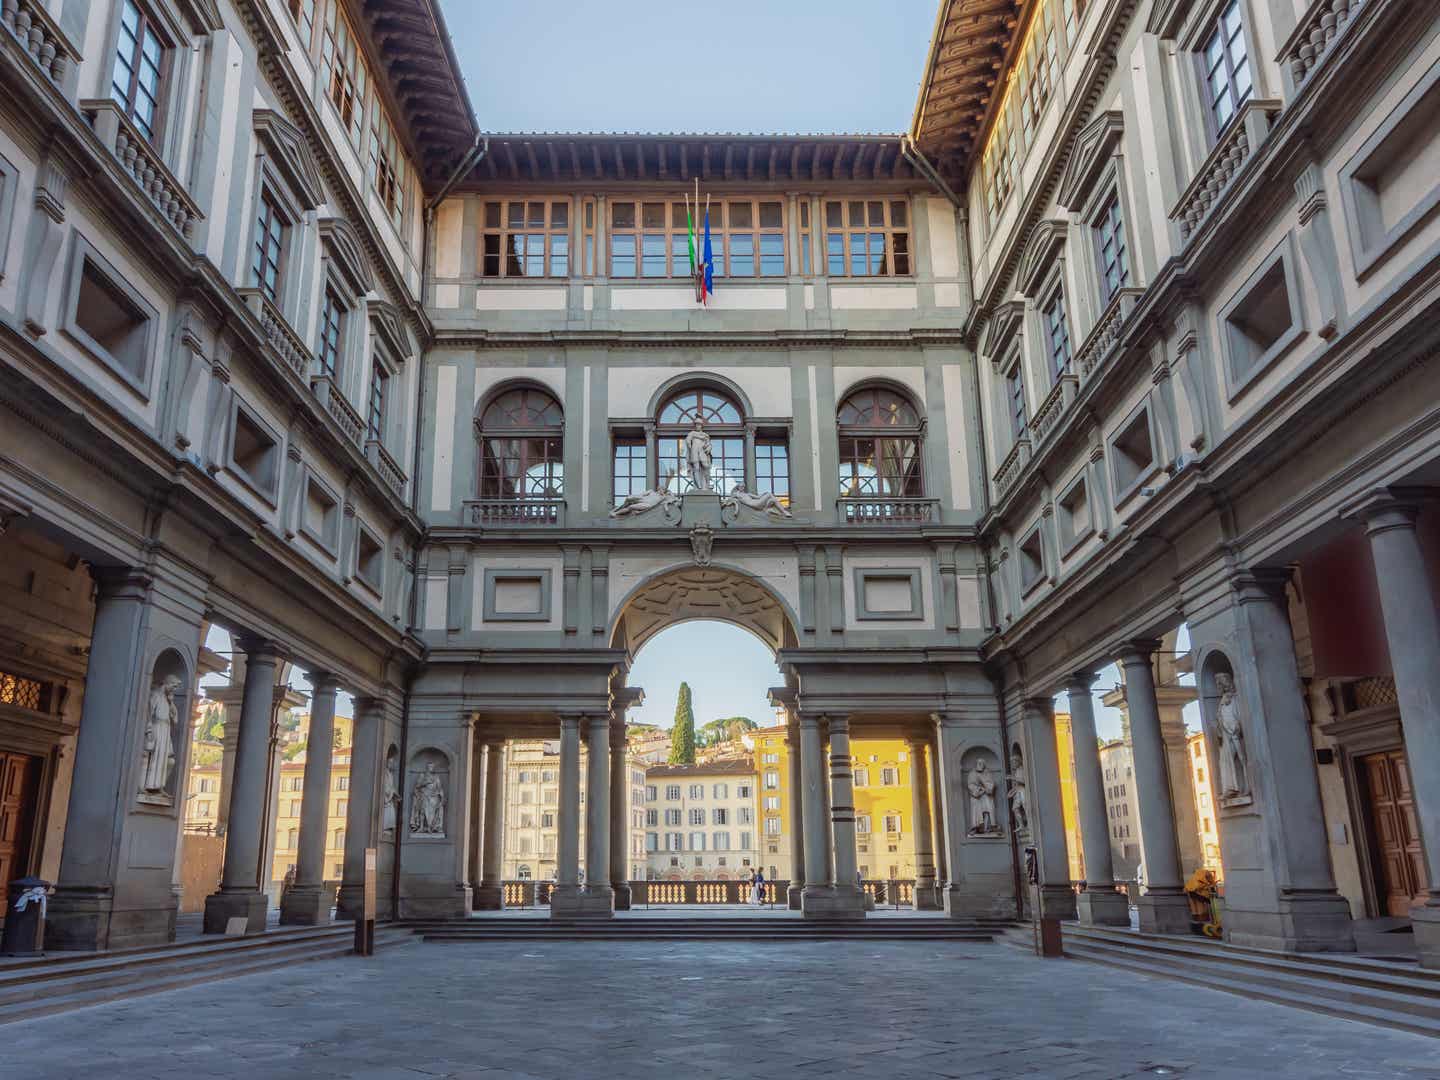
763, 502
1018, 811
159, 752
646, 501
427, 807
1234, 769
391, 799
698, 457
981, 786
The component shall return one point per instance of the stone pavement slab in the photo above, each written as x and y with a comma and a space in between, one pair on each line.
701, 1011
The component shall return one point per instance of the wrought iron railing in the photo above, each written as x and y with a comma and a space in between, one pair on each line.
140, 161
506, 512
887, 510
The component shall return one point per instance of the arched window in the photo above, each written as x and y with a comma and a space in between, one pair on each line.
881, 438
522, 435
724, 423
523, 872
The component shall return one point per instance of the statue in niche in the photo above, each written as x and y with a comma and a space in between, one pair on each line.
159, 746
1234, 769
427, 808
661, 497
1018, 812
981, 786
698, 456
390, 808
763, 502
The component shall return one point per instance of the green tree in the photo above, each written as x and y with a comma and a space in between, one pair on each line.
722, 730
682, 732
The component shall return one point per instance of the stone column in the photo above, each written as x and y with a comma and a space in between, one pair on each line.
1163, 908
475, 852
598, 898
937, 804
242, 890
619, 814
926, 896
812, 798
307, 902
490, 896
794, 784
843, 898
370, 797
1047, 817
1412, 630
1099, 903
566, 895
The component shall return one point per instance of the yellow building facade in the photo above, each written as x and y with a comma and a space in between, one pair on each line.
1069, 799
1207, 820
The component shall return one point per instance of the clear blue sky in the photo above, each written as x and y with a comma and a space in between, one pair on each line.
646, 65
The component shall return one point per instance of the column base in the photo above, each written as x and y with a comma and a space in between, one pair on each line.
1164, 912
1057, 902
572, 902
485, 897
962, 903
622, 896
927, 897
348, 901
1425, 922
250, 904
454, 904
832, 902
1318, 922
306, 905
87, 920
793, 895
1103, 907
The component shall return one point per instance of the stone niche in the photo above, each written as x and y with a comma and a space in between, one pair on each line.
429, 810
983, 784
164, 729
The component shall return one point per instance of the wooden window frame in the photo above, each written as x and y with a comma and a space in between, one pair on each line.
847, 231
776, 467
676, 250
147, 25
1056, 320
348, 79
270, 215
302, 14
1226, 69
634, 485
377, 401
879, 434
551, 435
330, 346
388, 176
503, 232
1111, 218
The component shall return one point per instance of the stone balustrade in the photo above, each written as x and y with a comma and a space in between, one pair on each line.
1047, 417
38, 35
388, 468
338, 406
1229, 156
1105, 335
1013, 465
710, 892
1313, 35
286, 345
140, 161
499, 513
883, 510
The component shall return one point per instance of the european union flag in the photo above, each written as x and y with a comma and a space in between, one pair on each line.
708, 258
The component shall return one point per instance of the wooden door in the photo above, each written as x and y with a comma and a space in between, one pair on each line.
1400, 862
19, 787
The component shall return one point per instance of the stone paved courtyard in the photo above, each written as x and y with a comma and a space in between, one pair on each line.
694, 1011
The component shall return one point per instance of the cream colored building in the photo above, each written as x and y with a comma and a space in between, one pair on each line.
701, 821
1206, 811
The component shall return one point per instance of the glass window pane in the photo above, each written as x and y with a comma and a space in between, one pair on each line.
898, 211
516, 217
652, 215
740, 215
857, 213
623, 214
834, 215
559, 215
653, 252
771, 215
835, 254
492, 215
622, 255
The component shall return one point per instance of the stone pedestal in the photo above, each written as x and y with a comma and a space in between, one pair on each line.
1425, 921
832, 902
794, 896
622, 896
306, 905
1164, 913
1103, 907
248, 904
928, 898
570, 902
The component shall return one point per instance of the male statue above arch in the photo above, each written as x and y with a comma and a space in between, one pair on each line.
699, 458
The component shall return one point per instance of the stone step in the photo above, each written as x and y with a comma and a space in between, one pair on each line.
1395, 1004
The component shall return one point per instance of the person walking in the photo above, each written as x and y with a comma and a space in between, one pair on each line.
757, 888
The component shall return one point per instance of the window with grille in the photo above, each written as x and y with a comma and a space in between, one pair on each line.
525, 238
332, 318
880, 445
1227, 67
867, 238
522, 434
347, 79
1114, 258
723, 422
139, 68
1057, 334
23, 693
375, 412
265, 262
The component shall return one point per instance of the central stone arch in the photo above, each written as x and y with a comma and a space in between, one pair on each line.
688, 593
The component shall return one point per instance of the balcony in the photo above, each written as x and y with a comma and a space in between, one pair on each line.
35, 32
504, 513
287, 346
886, 510
1047, 417
1314, 34
1105, 335
1013, 465
341, 411
388, 468
1235, 148
143, 165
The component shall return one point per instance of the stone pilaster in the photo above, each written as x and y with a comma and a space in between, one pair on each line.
814, 820
475, 839
490, 896
366, 801
1098, 903
1047, 819
843, 898
794, 786
307, 902
926, 896
565, 898
619, 813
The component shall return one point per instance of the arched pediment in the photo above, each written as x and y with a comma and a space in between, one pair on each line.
1047, 240
1093, 149
291, 158
344, 246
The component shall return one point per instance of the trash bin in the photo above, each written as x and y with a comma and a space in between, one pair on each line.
25, 903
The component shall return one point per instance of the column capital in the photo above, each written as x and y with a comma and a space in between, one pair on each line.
259, 648
1080, 683
839, 722
1135, 652
323, 682
116, 582
1044, 706
598, 721
808, 719
1382, 509
571, 720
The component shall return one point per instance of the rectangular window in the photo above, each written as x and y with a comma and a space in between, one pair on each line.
342, 783
387, 165
651, 792
652, 818
719, 816
672, 791
269, 248
1114, 259
721, 841
303, 12
525, 238
697, 842
744, 816
1015, 400
772, 802
651, 239
862, 823
347, 79
772, 826
772, 471
294, 808
697, 816
629, 469
861, 778
892, 823
1057, 334
889, 776
332, 315
1227, 67
341, 806
867, 238
587, 229
772, 779
139, 64
743, 791
697, 791
720, 791
375, 414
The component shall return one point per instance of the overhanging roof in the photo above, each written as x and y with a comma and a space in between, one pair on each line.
969, 55
629, 157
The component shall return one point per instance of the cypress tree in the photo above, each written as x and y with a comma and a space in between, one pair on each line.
682, 733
